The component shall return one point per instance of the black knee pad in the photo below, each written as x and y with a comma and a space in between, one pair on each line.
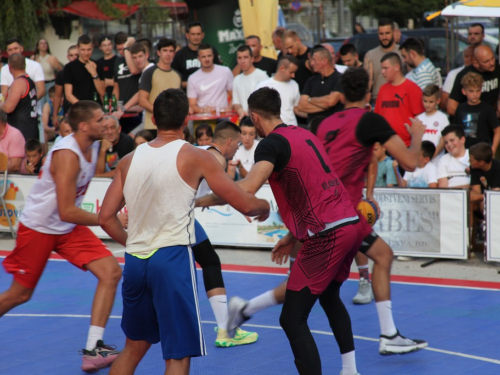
209, 261
368, 241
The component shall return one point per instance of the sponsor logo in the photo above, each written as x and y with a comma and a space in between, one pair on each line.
14, 199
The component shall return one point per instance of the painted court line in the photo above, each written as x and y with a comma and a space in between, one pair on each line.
457, 354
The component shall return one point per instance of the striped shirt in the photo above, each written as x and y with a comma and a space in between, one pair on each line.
425, 74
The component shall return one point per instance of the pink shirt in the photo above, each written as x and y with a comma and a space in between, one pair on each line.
12, 142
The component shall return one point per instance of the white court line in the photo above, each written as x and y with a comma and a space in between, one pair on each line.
457, 354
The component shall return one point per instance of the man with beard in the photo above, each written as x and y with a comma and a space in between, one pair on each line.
373, 57
423, 70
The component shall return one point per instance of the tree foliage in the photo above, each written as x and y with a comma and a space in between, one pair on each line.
24, 19
398, 10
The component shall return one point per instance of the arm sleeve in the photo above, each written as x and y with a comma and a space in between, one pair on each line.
442, 171
456, 92
275, 149
146, 79
67, 76
417, 107
474, 177
191, 90
100, 72
38, 73
236, 91
230, 79
492, 118
373, 128
4, 76
296, 94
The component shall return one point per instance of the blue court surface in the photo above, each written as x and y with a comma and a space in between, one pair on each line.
462, 326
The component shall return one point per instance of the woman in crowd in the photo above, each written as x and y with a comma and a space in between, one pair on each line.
142, 136
203, 135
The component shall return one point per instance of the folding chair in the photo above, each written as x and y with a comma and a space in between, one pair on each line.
4, 162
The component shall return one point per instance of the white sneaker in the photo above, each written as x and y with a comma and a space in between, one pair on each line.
365, 294
236, 317
399, 344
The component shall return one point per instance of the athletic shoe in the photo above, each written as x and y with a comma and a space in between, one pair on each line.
236, 316
100, 357
399, 344
241, 337
365, 294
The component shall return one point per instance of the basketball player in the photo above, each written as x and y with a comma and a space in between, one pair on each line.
316, 208
158, 182
52, 220
354, 131
225, 142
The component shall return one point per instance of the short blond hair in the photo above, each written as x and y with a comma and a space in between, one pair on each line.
471, 80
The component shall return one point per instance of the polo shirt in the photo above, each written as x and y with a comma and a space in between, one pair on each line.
12, 142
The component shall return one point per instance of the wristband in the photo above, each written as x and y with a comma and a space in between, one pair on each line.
95, 77
309, 100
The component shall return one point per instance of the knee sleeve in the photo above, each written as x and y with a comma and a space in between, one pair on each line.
368, 242
209, 261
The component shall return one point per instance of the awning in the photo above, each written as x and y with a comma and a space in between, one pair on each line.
470, 8
89, 9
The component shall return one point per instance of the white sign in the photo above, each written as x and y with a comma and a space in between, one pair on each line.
492, 210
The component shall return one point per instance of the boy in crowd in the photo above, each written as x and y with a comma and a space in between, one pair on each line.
452, 166
385, 173
478, 119
434, 120
64, 130
47, 109
34, 157
243, 159
484, 174
425, 176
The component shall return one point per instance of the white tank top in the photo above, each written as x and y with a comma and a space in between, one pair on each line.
48, 71
40, 212
204, 189
159, 202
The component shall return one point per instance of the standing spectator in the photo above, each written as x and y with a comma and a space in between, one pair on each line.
484, 174
49, 63
452, 168
372, 61
33, 161
59, 100
288, 89
83, 79
107, 63
423, 71
475, 37
358, 29
483, 63
33, 70
452, 74
126, 83
246, 82
399, 99
21, 100
478, 119
244, 157
349, 56
11, 143
278, 43
398, 36
385, 172
260, 62
157, 79
434, 120
425, 176
208, 88
321, 94
186, 60
294, 46
115, 145
48, 126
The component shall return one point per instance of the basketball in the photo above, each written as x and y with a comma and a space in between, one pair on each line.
368, 209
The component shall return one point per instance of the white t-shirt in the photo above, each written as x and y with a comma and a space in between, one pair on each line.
450, 79
434, 124
422, 177
33, 69
454, 169
244, 85
210, 89
341, 68
246, 156
290, 97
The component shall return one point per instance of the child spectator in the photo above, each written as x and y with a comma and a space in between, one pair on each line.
452, 168
434, 120
203, 135
484, 174
385, 173
34, 157
478, 119
64, 129
425, 176
244, 157
142, 136
48, 108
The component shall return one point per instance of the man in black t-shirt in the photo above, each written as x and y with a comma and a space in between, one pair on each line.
186, 59
485, 174
292, 45
59, 98
260, 62
483, 63
83, 79
321, 94
114, 147
107, 63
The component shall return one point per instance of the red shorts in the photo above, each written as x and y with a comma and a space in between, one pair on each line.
27, 261
324, 258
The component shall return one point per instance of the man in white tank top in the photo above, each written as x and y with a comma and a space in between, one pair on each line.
158, 183
52, 220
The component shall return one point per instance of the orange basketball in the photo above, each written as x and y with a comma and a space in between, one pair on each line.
368, 210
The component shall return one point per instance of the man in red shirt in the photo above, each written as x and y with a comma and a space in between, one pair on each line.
399, 99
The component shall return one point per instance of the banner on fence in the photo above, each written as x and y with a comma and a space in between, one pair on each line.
492, 216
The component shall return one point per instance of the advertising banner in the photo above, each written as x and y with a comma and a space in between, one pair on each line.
492, 217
